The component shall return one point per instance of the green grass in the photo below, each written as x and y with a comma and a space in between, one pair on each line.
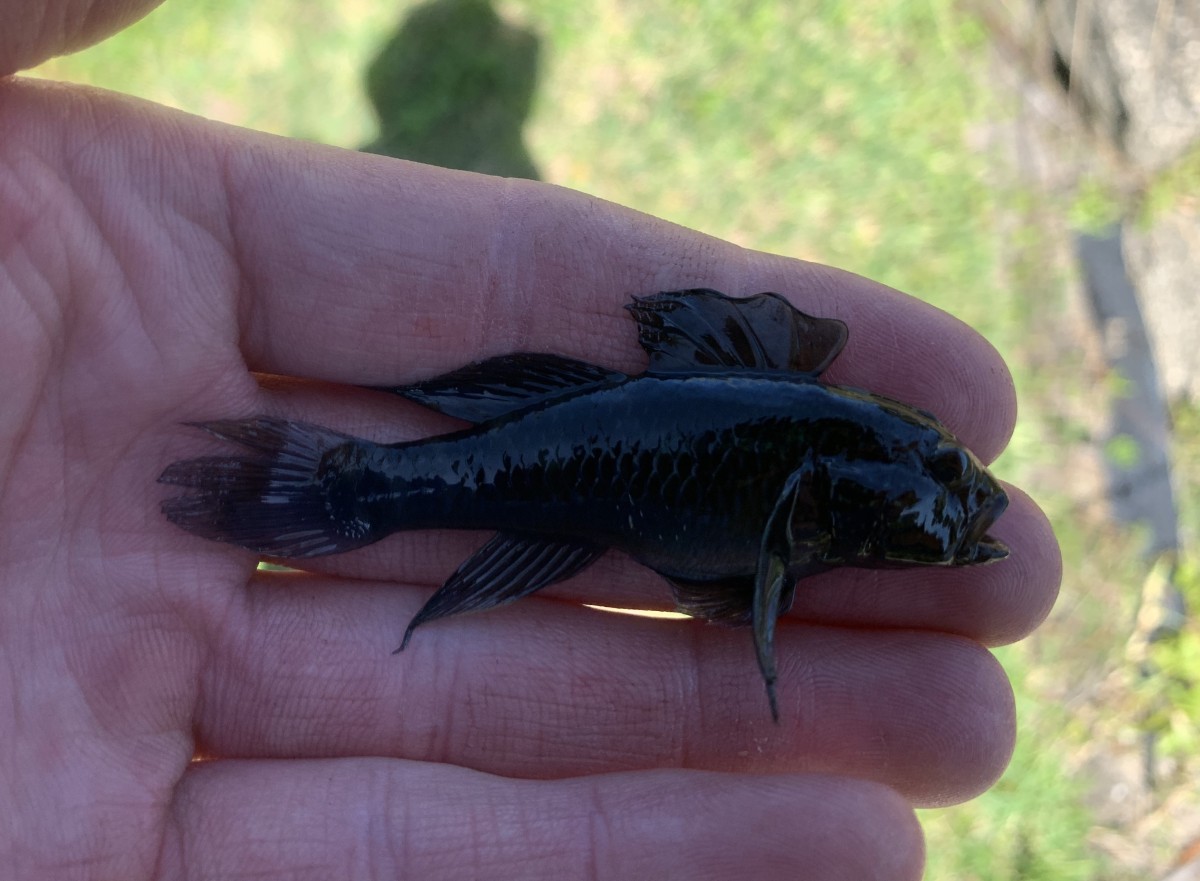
1175, 188
832, 131
801, 129
290, 68
1032, 825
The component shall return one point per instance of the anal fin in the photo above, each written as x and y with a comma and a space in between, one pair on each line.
508, 567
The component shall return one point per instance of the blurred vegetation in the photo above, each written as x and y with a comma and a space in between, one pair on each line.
1177, 187
855, 134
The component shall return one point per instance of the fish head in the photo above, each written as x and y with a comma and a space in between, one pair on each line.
931, 506
948, 520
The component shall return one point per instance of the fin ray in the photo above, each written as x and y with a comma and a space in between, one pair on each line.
702, 329
775, 577
275, 502
506, 384
508, 567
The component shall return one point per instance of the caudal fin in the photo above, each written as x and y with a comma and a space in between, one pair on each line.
293, 498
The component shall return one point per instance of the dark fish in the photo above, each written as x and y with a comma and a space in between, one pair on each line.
726, 467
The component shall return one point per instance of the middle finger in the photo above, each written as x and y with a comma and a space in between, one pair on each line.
303, 668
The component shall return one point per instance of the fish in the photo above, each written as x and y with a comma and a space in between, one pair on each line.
727, 467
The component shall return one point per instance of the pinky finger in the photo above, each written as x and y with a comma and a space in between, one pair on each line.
381, 818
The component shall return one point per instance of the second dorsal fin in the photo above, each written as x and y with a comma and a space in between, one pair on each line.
505, 384
702, 329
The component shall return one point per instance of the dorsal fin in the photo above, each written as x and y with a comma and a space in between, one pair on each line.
498, 386
702, 329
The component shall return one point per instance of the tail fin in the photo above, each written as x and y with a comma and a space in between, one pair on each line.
291, 500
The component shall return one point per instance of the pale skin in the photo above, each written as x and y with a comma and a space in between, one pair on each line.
152, 267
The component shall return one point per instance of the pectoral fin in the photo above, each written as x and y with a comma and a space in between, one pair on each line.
768, 595
703, 329
777, 571
505, 384
505, 569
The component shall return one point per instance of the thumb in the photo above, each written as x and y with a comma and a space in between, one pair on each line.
31, 32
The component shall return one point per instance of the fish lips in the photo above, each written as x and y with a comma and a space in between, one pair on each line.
977, 546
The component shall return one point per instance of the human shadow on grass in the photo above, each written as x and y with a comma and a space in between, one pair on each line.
453, 87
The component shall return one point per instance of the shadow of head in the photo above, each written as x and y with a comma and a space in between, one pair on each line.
453, 87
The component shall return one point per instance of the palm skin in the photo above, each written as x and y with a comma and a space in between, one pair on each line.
154, 269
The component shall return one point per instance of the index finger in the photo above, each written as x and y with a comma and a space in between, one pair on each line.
362, 269
380, 271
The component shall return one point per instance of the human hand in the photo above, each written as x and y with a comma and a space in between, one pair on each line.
151, 264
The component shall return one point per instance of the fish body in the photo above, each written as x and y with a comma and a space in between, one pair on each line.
727, 467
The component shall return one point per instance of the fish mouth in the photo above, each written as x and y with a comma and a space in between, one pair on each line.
977, 546
986, 550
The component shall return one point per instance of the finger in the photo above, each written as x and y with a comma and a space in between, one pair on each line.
548, 689
30, 33
363, 269
374, 818
380, 271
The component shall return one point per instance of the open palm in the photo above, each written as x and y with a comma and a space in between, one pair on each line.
154, 269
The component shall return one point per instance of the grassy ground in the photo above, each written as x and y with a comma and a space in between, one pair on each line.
832, 131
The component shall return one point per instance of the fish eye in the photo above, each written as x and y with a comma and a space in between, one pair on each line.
949, 465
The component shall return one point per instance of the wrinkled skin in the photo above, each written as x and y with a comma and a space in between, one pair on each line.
148, 263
